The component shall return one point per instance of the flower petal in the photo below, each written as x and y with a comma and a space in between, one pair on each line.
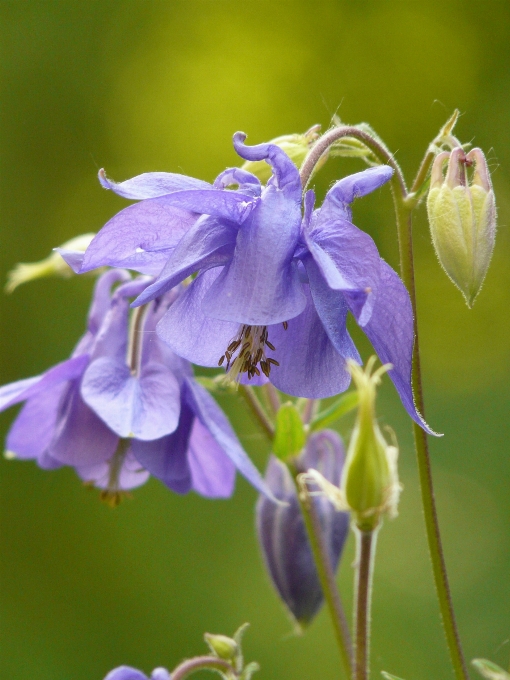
167, 458
140, 237
391, 332
226, 205
212, 472
21, 390
152, 184
81, 438
310, 366
102, 296
125, 673
209, 243
145, 406
285, 174
130, 476
339, 198
214, 420
191, 334
74, 258
246, 181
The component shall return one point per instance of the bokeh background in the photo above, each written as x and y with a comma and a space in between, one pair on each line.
140, 85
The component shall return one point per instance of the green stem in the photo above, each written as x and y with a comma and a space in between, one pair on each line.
326, 574
257, 410
365, 554
404, 227
202, 663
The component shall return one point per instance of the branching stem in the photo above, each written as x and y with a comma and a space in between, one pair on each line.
365, 554
200, 663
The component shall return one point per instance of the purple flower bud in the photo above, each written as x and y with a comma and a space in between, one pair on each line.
282, 532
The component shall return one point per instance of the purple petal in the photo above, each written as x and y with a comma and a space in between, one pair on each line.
286, 175
167, 458
391, 332
332, 310
310, 366
74, 258
342, 193
191, 334
32, 431
130, 476
261, 284
152, 184
348, 259
81, 438
145, 406
212, 472
102, 296
21, 390
125, 673
209, 243
214, 420
247, 183
140, 237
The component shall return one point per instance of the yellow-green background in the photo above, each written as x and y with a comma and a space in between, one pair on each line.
140, 85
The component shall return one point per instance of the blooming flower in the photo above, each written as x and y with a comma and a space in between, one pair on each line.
124, 405
128, 673
274, 287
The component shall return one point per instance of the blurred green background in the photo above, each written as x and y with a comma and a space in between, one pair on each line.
140, 85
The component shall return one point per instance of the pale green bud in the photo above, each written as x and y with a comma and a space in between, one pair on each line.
222, 646
369, 483
53, 265
295, 146
462, 218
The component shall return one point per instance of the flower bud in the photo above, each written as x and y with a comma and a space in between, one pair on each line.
53, 265
222, 646
462, 218
282, 532
295, 146
370, 484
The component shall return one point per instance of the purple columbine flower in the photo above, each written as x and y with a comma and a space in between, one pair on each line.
274, 287
128, 673
124, 405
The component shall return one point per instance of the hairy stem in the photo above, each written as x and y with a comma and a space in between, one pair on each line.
256, 408
365, 553
326, 575
200, 663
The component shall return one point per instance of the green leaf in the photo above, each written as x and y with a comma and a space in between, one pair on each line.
389, 676
290, 432
346, 403
490, 670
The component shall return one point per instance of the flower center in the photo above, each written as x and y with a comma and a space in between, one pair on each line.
246, 353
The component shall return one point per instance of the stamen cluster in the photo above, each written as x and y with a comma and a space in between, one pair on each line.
252, 340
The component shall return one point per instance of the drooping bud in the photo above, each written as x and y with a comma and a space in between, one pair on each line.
462, 218
222, 646
370, 485
295, 146
53, 265
282, 533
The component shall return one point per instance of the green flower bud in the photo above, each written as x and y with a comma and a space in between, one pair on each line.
222, 646
295, 146
462, 218
53, 265
369, 483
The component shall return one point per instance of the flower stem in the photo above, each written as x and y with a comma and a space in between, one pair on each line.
200, 663
326, 575
365, 553
256, 408
404, 226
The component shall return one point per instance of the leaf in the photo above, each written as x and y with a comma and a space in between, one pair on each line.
346, 403
490, 670
290, 435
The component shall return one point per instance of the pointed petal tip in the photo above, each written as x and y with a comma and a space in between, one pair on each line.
103, 179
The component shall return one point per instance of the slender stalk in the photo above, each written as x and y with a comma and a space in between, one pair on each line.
200, 663
257, 410
404, 203
326, 576
404, 227
272, 397
365, 554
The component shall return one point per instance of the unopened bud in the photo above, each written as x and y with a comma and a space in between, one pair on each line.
53, 265
295, 146
222, 646
282, 532
370, 484
462, 217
